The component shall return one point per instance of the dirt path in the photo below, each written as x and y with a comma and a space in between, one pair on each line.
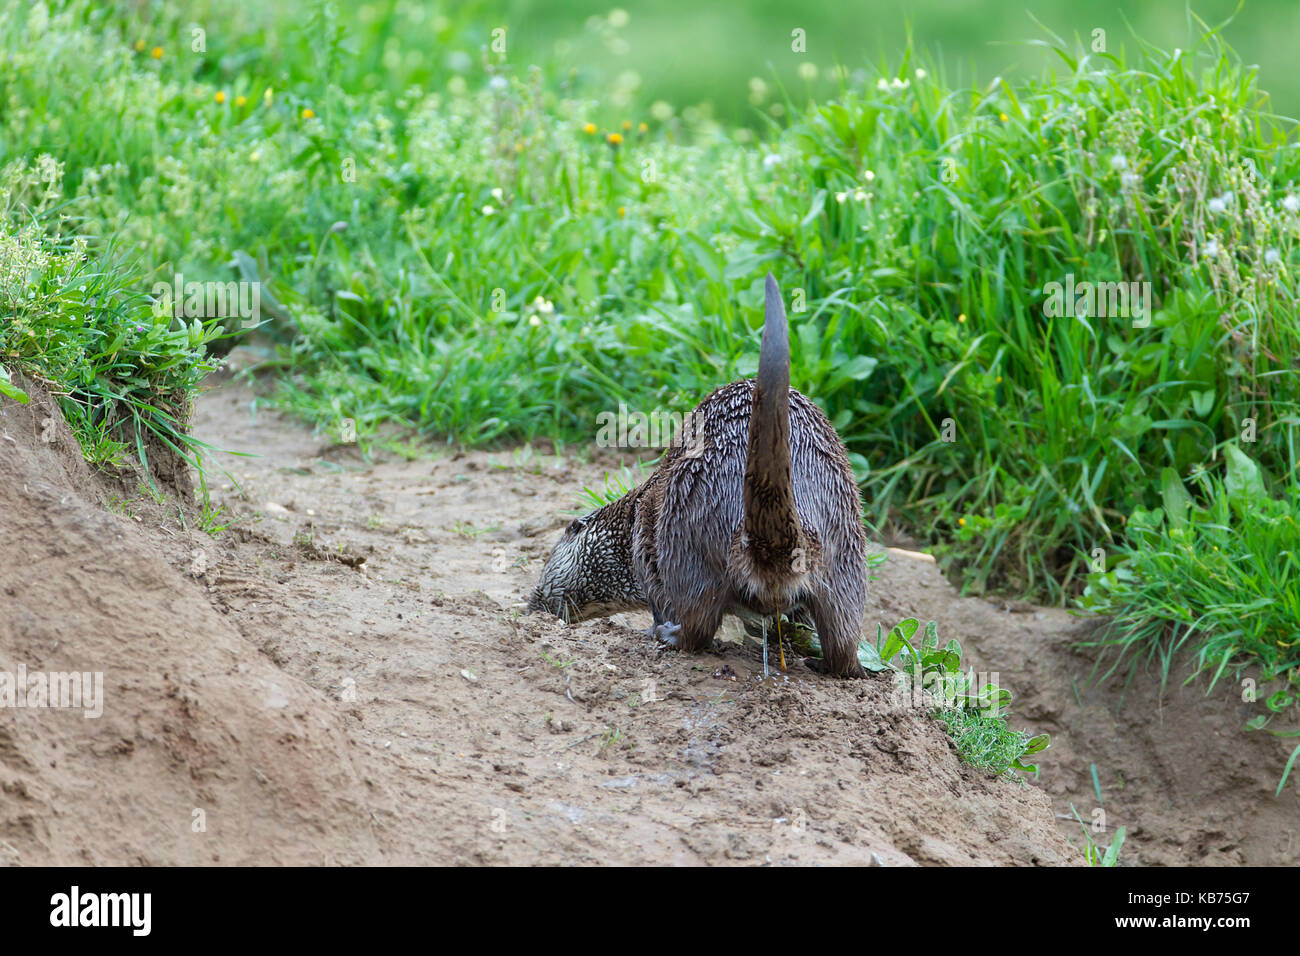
487, 736
452, 547
345, 676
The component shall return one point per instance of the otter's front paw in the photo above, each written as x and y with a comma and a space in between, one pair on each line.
667, 633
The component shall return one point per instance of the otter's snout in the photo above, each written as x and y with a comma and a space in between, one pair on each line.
543, 599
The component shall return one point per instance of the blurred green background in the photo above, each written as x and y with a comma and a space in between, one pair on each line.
702, 51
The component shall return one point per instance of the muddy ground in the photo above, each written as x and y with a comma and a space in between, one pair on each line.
344, 675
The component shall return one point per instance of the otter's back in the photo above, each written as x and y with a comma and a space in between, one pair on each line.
705, 472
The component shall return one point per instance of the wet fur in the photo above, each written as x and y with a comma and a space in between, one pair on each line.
699, 540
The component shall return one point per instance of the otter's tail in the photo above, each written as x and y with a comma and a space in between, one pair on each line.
771, 522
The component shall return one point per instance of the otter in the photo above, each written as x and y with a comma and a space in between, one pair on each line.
753, 510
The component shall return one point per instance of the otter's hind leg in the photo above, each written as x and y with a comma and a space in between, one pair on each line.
838, 615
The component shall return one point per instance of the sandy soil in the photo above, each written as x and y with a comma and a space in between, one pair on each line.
345, 675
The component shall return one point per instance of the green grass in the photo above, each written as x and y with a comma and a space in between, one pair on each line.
76, 321
616, 486
983, 742
1095, 854
974, 715
1061, 425
1219, 578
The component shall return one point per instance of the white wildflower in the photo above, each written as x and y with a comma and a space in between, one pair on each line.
1220, 204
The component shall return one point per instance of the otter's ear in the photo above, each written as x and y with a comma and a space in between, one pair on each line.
577, 525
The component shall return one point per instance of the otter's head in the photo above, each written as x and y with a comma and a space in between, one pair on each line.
589, 572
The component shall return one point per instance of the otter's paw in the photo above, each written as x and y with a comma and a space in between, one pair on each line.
855, 671
667, 633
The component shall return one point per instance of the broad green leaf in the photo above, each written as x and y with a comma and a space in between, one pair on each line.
857, 369
1176, 499
1244, 481
742, 263
1112, 852
869, 658
706, 257
818, 203
10, 390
